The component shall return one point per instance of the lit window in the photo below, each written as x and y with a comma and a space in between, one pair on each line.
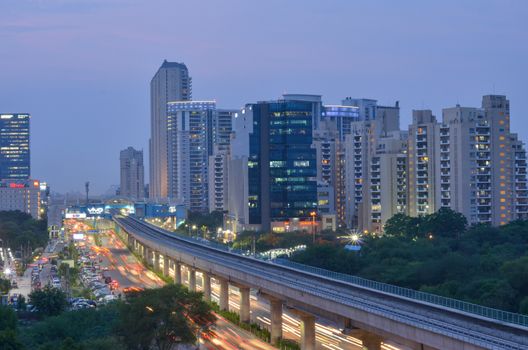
502, 192
501, 122
501, 154
503, 216
502, 207
501, 138
503, 200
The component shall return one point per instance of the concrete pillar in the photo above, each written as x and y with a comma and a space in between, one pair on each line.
244, 304
224, 294
308, 332
276, 320
147, 255
206, 284
371, 341
177, 272
166, 264
192, 279
156, 261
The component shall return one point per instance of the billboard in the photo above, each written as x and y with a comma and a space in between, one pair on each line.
78, 236
75, 216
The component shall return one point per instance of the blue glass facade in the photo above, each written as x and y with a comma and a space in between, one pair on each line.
282, 163
14, 146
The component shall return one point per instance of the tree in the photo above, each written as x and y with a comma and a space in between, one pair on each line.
164, 317
8, 319
398, 225
445, 222
5, 286
49, 301
9, 340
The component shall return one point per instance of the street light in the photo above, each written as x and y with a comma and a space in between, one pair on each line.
313, 214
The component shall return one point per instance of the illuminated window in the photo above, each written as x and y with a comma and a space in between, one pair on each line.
501, 170
501, 145
502, 177
501, 122
502, 184
503, 200
502, 207
502, 161
503, 216
502, 192
501, 138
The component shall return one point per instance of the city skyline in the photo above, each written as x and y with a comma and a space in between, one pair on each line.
102, 103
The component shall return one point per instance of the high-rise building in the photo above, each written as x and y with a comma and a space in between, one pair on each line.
21, 195
14, 146
421, 168
220, 140
132, 174
282, 162
359, 148
170, 83
480, 165
190, 127
388, 180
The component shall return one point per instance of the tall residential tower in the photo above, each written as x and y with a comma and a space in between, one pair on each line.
171, 83
132, 174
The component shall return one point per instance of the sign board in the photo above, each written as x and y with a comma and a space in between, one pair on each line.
75, 216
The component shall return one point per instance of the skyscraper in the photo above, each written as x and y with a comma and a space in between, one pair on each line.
14, 146
170, 83
189, 147
282, 162
132, 174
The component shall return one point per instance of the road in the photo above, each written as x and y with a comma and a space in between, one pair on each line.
124, 267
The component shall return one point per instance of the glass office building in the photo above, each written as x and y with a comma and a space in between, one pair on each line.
14, 146
282, 162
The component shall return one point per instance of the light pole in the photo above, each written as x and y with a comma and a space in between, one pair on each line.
313, 214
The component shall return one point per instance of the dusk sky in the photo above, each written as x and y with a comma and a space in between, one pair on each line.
82, 68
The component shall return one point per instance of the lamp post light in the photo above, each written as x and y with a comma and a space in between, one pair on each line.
313, 214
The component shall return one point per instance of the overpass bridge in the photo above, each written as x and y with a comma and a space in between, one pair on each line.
368, 310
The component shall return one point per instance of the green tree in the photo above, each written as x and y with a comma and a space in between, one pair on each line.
5, 286
49, 301
9, 340
445, 222
398, 225
164, 317
8, 319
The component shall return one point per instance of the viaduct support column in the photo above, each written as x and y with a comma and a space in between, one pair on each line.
244, 304
371, 341
156, 261
276, 320
166, 264
206, 284
308, 332
192, 279
147, 255
224, 294
177, 272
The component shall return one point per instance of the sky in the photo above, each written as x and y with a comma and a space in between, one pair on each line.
82, 68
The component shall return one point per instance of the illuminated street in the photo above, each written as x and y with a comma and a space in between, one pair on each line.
124, 267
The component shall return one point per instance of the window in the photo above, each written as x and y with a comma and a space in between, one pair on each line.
301, 163
503, 200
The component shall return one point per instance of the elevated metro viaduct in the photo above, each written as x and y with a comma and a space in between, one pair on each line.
369, 314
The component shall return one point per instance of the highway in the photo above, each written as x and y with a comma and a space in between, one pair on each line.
451, 323
124, 267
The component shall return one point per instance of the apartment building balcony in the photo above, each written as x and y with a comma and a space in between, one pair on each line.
444, 142
482, 131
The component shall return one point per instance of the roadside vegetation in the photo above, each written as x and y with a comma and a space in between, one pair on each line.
439, 254
150, 319
21, 232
